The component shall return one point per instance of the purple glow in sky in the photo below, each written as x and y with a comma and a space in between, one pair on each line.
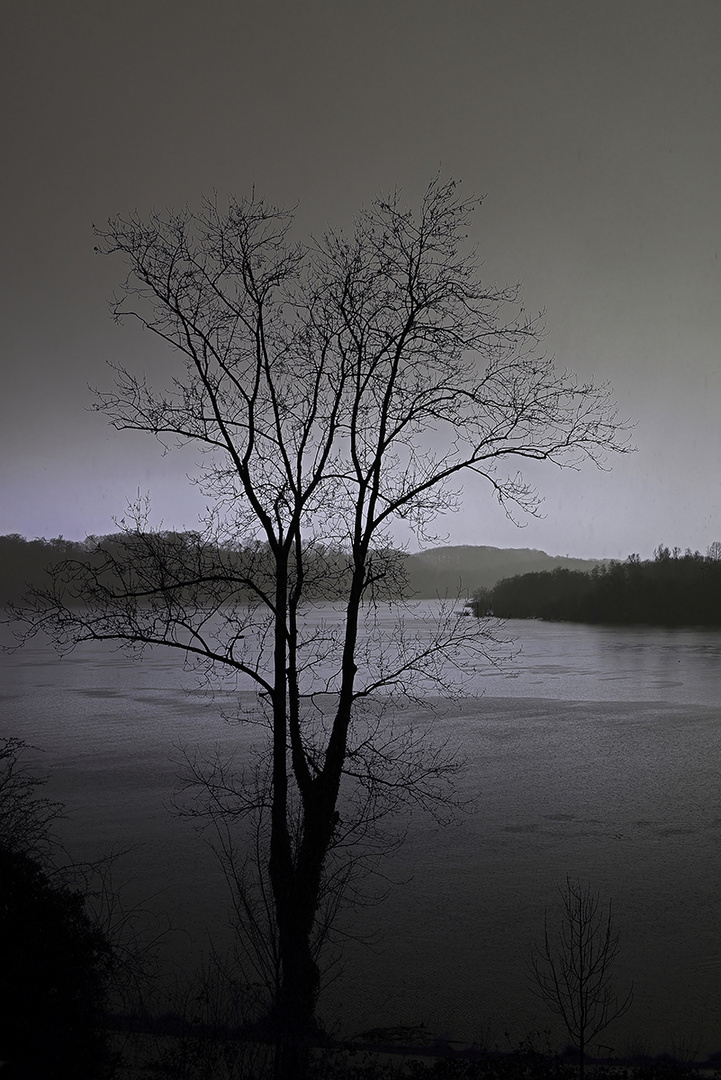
593, 130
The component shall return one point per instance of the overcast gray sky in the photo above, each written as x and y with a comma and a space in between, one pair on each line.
593, 129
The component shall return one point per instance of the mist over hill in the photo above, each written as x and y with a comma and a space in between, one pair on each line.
454, 571
459, 570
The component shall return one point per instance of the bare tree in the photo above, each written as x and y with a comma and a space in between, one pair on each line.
573, 973
714, 551
26, 816
335, 389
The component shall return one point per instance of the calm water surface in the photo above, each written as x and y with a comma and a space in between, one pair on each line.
595, 753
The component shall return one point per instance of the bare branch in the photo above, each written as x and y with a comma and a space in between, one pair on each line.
573, 973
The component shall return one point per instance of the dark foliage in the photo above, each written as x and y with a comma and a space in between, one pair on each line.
532, 1059
24, 562
52, 978
670, 590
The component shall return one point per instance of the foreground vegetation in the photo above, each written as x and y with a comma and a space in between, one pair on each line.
57, 960
531, 1060
670, 590
66, 1010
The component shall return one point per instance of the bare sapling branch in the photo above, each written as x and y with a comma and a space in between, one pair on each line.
573, 971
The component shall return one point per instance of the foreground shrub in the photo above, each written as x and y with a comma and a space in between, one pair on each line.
54, 965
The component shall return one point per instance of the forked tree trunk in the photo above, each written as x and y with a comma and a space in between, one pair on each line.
296, 876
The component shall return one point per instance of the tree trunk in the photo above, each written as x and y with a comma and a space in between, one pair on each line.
294, 1018
294, 1013
297, 889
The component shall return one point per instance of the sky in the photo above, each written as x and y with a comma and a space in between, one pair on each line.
593, 129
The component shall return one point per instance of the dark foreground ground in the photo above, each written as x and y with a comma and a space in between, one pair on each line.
214, 1056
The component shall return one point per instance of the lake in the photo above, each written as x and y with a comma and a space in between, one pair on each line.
595, 753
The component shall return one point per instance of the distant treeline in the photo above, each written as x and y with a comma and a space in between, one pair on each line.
23, 562
182, 564
445, 571
672, 589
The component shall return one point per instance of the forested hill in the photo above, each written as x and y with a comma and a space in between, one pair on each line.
670, 590
23, 562
442, 571
459, 571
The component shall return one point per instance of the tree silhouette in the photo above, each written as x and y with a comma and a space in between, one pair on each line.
573, 974
26, 816
335, 388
